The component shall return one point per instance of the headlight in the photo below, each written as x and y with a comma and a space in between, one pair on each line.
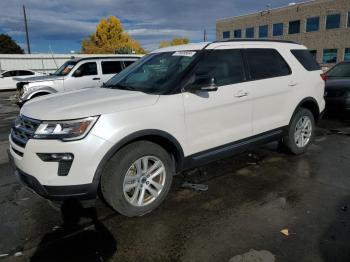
65, 130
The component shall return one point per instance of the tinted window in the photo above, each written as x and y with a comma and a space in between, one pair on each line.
226, 34
312, 24
330, 56
238, 33
294, 27
333, 21
266, 63
88, 69
25, 73
263, 31
9, 74
111, 67
347, 54
278, 29
249, 32
306, 59
223, 65
348, 19
314, 54
340, 70
127, 63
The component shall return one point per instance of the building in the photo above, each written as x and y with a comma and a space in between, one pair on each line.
321, 25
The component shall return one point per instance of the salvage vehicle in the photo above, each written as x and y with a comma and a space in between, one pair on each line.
337, 94
8, 79
74, 74
176, 108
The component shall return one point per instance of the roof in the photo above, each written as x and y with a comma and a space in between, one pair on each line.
77, 59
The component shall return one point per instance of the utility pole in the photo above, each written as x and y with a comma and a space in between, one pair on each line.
26, 27
205, 35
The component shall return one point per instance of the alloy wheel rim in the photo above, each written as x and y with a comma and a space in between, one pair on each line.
303, 131
144, 181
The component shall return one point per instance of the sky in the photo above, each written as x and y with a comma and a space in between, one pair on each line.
61, 25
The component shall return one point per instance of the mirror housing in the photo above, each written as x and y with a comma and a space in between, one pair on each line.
204, 83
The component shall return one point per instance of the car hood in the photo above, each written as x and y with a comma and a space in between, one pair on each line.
338, 84
39, 78
85, 102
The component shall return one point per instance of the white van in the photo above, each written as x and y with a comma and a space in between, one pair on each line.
75, 74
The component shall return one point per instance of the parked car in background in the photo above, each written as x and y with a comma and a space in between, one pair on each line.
337, 93
177, 108
8, 79
74, 74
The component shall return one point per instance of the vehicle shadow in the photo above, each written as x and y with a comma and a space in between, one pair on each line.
335, 242
74, 242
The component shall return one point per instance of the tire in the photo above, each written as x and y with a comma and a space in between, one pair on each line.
290, 141
125, 178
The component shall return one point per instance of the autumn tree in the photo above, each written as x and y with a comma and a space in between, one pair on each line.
174, 41
110, 38
9, 46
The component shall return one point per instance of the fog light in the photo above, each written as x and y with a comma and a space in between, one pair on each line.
64, 160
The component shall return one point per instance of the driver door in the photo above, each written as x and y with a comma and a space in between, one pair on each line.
217, 118
85, 76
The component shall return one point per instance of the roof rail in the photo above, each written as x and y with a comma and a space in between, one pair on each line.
256, 40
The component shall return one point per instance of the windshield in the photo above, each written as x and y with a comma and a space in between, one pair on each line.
340, 70
65, 68
155, 73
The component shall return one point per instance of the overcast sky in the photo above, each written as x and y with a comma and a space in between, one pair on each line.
63, 24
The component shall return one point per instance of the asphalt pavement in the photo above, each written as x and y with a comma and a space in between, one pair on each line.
250, 199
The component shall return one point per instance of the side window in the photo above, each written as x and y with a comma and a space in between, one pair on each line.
127, 63
305, 58
225, 66
266, 63
24, 73
87, 69
7, 74
111, 67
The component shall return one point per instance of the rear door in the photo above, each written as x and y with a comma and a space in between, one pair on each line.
220, 117
110, 68
271, 81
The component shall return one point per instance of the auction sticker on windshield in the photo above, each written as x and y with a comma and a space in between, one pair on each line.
184, 53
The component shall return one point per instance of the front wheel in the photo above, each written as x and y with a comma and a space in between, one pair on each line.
138, 178
300, 132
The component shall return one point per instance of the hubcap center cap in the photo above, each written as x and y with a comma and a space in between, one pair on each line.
143, 180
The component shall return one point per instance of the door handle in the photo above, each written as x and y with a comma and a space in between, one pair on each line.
293, 83
241, 94
96, 78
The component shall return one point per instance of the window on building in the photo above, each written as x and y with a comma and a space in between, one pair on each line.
258, 59
249, 32
305, 58
226, 66
312, 24
237, 33
111, 67
348, 19
226, 34
330, 56
277, 29
263, 31
294, 27
333, 21
347, 54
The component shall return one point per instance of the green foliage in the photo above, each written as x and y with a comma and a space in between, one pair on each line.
9, 46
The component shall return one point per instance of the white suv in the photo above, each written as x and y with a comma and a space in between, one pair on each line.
74, 74
174, 109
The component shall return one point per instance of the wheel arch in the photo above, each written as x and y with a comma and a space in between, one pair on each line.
311, 104
45, 90
162, 138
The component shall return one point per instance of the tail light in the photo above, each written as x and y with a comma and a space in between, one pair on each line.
324, 77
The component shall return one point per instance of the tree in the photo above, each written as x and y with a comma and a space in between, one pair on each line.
110, 38
174, 41
9, 46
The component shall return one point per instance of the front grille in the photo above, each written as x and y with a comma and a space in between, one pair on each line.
23, 129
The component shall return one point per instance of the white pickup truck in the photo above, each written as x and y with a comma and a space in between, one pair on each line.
75, 74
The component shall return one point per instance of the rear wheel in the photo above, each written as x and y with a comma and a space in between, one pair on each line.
138, 178
300, 132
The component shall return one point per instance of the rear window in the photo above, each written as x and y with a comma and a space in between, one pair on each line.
266, 63
111, 67
306, 58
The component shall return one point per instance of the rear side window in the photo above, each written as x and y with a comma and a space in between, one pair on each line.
266, 63
127, 63
111, 67
306, 58
224, 65
25, 73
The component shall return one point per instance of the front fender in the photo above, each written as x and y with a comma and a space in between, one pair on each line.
40, 89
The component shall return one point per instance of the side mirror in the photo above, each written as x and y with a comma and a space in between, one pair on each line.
203, 83
78, 73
